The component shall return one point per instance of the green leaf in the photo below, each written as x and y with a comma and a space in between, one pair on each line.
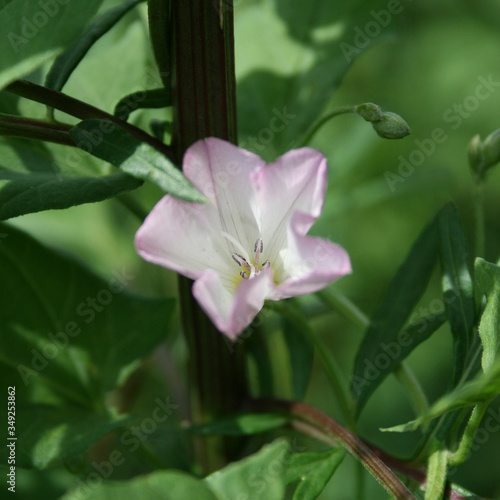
62, 325
24, 193
301, 356
258, 477
238, 425
111, 143
143, 99
383, 339
164, 485
483, 387
65, 64
458, 290
313, 470
34, 32
51, 434
488, 280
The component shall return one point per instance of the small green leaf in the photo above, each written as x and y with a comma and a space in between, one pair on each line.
147, 99
258, 477
34, 32
383, 334
238, 425
65, 64
111, 143
488, 280
164, 485
313, 470
25, 193
458, 290
483, 387
301, 355
52, 434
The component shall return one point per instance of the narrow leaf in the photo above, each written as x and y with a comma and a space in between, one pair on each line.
25, 193
111, 143
381, 348
488, 280
238, 425
66, 63
457, 285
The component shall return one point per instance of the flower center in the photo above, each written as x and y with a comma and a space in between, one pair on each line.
250, 271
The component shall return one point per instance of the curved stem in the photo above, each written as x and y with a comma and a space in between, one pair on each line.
342, 110
81, 110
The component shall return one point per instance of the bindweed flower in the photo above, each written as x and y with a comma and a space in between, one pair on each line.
248, 244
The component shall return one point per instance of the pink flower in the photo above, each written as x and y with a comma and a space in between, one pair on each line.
248, 243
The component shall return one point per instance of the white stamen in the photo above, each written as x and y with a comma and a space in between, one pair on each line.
250, 270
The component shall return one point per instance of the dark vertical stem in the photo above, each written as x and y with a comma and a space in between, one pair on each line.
203, 85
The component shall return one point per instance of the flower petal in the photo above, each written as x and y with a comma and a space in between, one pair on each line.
232, 313
222, 172
311, 263
296, 181
182, 237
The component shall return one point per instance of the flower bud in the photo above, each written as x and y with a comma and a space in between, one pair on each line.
475, 154
391, 126
491, 150
369, 111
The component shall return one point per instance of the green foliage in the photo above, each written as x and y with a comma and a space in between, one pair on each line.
457, 285
384, 331
488, 280
113, 144
80, 334
258, 477
24, 193
33, 34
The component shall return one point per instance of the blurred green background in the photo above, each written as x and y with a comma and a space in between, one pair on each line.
429, 59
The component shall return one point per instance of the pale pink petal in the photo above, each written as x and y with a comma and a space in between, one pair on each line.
294, 182
311, 263
232, 313
183, 236
222, 172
